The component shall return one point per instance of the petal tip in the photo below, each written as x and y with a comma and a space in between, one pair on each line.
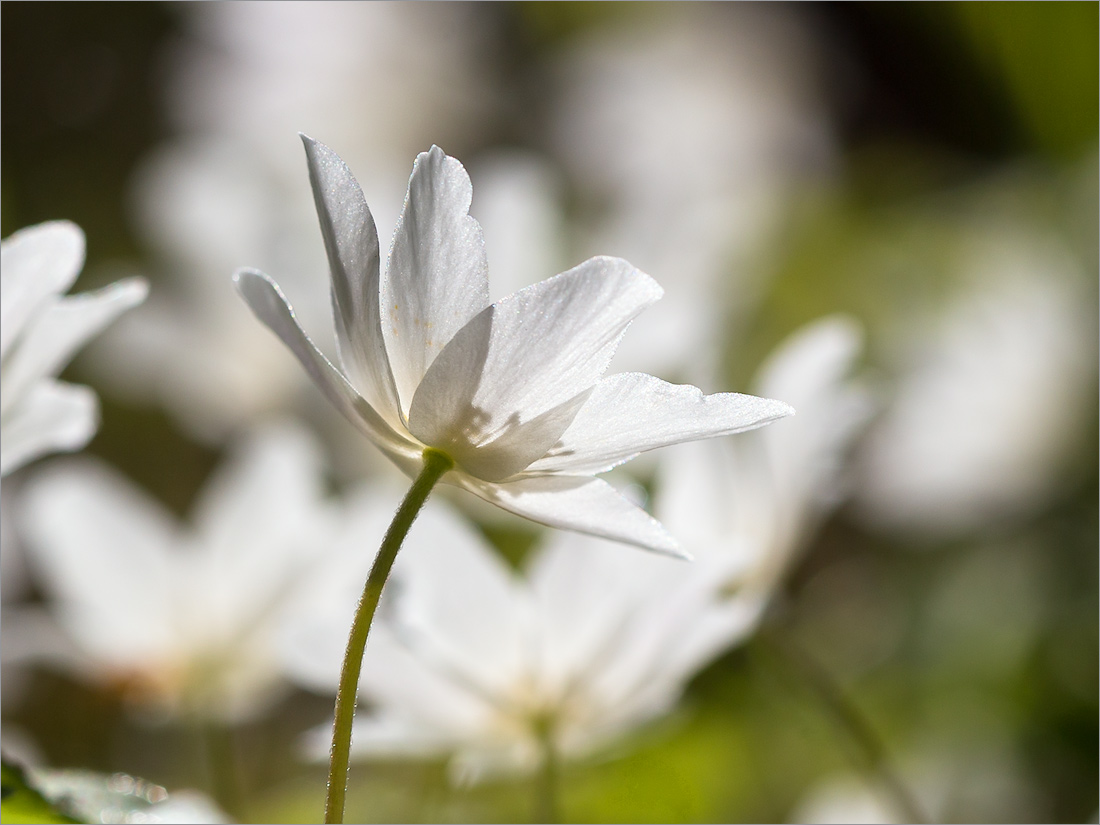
675, 551
66, 227
667, 545
316, 154
61, 236
132, 291
649, 283
250, 282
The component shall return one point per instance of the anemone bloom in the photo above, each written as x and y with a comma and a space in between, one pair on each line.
181, 618
470, 660
591, 642
513, 391
40, 332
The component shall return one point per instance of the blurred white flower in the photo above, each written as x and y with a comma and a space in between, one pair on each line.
754, 501
687, 127
203, 204
257, 71
180, 618
470, 659
40, 330
511, 391
992, 393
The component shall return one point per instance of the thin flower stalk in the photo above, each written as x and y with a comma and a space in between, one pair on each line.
436, 465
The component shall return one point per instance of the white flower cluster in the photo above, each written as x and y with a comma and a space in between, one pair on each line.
210, 620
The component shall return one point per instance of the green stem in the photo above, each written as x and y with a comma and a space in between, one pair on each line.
849, 717
436, 464
223, 777
546, 801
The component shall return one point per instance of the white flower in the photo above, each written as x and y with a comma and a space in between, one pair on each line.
992, 392
180, 617
470, 659
39, 332
512, 391
749, 504
193, 349
253, 72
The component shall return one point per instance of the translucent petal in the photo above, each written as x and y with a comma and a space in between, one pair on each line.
586, 505
630, 413
505, 388
351, 242
266, 300
437, 277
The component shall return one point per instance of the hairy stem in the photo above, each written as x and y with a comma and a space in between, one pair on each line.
436, 464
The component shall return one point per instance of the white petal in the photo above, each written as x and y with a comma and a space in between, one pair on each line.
450, 600
36, 263
104, 550
315, 625
506, 387
812, 368
681, 625
457, 602
710, 495
494, 756
51, 339
437, 278
260, 524
53, 416
586, 505
782, 479
407, 684
351, 242
588, 592
632, 412
266, 300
